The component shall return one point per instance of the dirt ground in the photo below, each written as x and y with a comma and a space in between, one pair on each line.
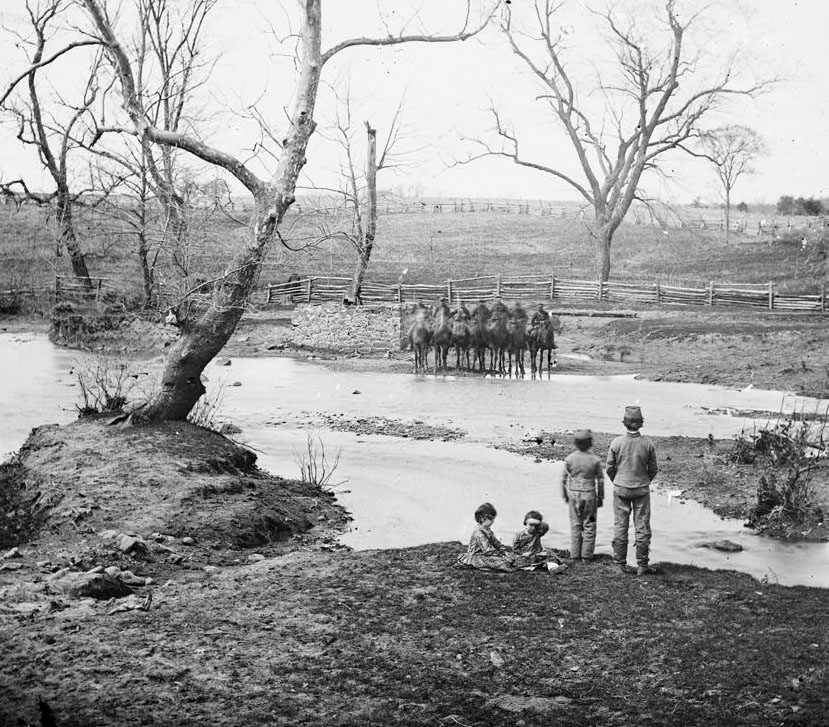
253, 614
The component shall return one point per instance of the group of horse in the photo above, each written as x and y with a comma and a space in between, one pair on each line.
506, 334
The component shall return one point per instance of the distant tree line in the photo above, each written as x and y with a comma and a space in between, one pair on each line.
788, 205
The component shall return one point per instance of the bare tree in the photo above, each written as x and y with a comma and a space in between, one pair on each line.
169, 68
52, 135
355, 219
653, 96
732, 150
203, 337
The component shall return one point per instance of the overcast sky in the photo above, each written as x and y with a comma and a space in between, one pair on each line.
447, 91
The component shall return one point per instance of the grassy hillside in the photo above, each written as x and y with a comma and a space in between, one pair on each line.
430, 247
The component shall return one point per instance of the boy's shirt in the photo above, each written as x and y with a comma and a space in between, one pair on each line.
583, 472
631, 461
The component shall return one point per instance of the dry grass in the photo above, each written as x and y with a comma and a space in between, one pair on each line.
431, 247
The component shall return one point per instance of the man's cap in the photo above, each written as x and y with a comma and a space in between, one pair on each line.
633, 414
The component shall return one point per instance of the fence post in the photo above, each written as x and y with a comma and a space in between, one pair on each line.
498, 287
771, 295
400, 293
552, 286
449, 290
600, 290
711, 293
308, 293
98, 291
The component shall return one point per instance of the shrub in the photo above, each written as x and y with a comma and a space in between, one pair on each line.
10, 304
105, 384
791, 452
314, 466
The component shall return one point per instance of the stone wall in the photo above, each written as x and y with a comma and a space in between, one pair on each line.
334, 327
108, 330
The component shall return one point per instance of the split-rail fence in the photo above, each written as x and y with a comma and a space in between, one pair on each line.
319, 289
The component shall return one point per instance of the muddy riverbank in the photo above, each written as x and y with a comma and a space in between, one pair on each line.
245, 619
205, 623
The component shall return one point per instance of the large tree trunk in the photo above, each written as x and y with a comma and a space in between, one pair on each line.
68, 239
727, 213
202, 339
604, 236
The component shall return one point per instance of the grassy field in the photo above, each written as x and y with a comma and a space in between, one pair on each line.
430, 247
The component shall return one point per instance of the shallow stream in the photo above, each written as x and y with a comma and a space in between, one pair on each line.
403, 492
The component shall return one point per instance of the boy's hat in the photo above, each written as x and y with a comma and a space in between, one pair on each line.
633, 414
583, 435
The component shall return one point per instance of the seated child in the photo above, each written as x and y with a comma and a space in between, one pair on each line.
485, 551
529, 553
527, 542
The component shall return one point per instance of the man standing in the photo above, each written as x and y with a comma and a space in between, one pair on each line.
631, 466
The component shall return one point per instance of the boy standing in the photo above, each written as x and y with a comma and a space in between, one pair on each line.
631, 465
582, 487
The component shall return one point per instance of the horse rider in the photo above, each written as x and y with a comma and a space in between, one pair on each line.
420, 312
462, 313
481, 312
499, 310
519, 315
539, 316
442, 310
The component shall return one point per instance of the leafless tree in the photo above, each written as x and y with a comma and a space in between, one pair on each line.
203, 337
52, 134
169, 69
732, 150
653, 93
356, 220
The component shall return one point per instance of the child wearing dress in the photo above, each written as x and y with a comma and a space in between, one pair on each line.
485, 551
582, 487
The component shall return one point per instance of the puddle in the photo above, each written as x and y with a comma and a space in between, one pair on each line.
403, 492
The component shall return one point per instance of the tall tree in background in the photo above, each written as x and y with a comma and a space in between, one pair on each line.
169, 68
648, 97
732, 150
203, 337
51, 126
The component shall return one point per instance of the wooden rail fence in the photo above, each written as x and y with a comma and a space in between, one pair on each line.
319, 289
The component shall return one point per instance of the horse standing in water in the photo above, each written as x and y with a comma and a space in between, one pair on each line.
518, 345
442, 339
499, 341
542, 338
461, 337
479, 337
420, 338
